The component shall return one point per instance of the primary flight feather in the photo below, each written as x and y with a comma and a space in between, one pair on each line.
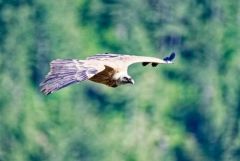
108, 69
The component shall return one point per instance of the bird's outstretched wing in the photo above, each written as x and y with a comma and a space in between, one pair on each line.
127, 60
150, 60
64, 72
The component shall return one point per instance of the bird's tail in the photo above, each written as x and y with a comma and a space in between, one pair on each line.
62, 73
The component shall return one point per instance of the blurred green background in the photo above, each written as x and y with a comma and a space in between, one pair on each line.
189, 111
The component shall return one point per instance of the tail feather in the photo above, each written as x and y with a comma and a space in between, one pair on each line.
63, 72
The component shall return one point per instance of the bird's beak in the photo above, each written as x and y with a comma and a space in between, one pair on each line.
131, 81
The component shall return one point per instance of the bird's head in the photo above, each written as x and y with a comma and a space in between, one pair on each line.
126, 80
123, 79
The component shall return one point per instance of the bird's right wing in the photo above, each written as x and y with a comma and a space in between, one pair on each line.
64, 72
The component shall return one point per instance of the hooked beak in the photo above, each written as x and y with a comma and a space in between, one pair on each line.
131, 81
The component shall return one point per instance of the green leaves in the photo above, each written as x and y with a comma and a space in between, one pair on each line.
185, 111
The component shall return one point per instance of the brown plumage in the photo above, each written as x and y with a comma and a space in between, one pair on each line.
108, 69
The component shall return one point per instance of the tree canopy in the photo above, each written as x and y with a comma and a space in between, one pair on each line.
189, 111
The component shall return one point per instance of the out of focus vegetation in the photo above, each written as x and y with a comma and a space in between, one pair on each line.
189, 111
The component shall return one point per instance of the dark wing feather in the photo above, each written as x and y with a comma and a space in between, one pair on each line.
170, 58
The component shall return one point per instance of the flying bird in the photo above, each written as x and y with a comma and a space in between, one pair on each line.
108, 69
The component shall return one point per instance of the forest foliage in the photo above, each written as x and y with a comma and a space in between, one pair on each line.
188, 111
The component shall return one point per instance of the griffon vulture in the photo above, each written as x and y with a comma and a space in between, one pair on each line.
109, 69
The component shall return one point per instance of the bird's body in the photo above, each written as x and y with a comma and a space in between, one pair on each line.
105, 77
108, 69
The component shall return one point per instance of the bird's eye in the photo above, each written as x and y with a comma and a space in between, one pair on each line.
125, 78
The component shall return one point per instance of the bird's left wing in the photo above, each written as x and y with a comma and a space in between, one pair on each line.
126, 60
149, 60
131, 59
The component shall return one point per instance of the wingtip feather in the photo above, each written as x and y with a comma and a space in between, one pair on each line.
170, 58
